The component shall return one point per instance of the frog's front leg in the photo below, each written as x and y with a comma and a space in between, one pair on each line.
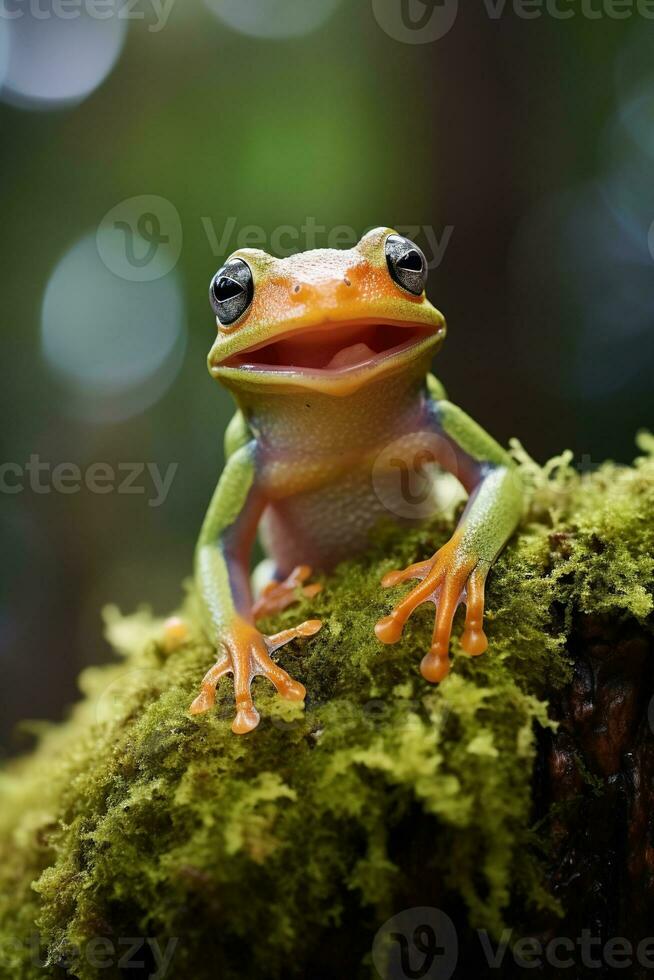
223, 582
457, 572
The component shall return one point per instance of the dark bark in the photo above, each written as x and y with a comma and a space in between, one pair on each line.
594, 800
596, 786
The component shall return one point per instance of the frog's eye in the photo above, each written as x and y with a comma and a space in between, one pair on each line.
231, 291
406, 264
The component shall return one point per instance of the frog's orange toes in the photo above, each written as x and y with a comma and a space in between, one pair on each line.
447, 580
474, 639
279, 595
250, 661
207, 696
262, 665
432, 573
419, 570
309, 628
389, 628
247, 717
435, 665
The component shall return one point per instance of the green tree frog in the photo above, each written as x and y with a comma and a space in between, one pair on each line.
327, 354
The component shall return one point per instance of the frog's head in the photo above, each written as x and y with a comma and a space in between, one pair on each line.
329, 320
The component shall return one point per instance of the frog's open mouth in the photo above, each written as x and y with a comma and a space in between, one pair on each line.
332, 348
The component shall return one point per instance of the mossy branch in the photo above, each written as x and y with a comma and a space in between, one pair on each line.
134, 819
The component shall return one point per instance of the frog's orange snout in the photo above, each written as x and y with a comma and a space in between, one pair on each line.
328, 294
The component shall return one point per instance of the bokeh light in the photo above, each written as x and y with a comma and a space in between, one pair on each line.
4, 50
634, 63
576, 242
273, 18
628, 143
596, 238
55, 61
637, 116
116, 343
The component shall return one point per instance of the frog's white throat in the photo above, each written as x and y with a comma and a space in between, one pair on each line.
316, 419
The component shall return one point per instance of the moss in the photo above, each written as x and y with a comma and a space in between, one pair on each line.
134, 819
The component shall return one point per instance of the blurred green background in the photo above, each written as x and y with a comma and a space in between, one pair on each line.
524, 146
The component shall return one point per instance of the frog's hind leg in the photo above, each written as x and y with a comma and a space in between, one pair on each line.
277, 594
272, 594
264, 573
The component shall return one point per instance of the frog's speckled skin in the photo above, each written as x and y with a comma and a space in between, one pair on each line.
307, 456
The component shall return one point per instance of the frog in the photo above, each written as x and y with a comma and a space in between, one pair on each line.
328, 356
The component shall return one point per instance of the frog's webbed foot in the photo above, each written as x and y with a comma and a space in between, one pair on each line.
276, 596
451, 577
246, 655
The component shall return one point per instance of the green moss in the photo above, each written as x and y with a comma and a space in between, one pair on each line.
134, 819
